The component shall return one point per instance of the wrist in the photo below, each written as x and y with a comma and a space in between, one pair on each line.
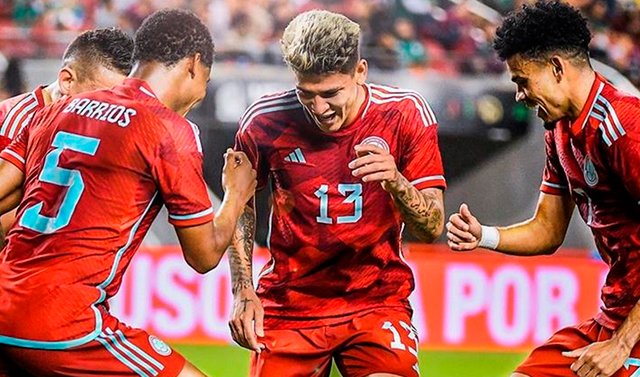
242, 286
490, 237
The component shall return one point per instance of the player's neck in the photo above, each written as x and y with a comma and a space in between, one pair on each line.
579, 94
51, 93
360, 98
161, 81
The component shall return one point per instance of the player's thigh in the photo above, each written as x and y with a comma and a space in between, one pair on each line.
547, 360
292, 353
118, 351
379, 343
189, 370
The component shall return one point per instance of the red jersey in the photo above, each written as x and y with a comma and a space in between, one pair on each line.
335, 241
16, 112
98, 168
597, 159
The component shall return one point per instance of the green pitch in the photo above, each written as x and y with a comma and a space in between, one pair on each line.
231, 361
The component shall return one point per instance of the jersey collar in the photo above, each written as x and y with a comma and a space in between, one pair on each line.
596, 89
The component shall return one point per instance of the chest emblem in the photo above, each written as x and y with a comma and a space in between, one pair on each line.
589, 171
376, 141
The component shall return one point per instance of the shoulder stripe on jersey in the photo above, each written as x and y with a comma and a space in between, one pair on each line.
196, 135
389, 90
429, 178
261, 102
421, 105
593, 103
21, 120
193, 215
604, 111
555, 185
273, 108
7, 124
384, 99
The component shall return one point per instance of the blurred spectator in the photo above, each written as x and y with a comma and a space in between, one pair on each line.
12, 79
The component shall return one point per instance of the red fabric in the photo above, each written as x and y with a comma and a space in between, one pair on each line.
597, 158
15, 113
360, 347
326, 264
94, 358
50, 283
547, 360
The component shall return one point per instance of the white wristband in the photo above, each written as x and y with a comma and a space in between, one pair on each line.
490, 237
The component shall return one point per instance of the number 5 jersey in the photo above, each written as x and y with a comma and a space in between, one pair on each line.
98, 167
335, 241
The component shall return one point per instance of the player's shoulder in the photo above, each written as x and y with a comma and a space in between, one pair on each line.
15, 112
616, 114
269, 108
408, 101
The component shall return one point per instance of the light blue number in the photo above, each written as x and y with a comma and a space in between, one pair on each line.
324, 205
355, 198
635, 362
52, 173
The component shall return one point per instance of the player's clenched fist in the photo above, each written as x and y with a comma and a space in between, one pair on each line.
463, 230
238, 176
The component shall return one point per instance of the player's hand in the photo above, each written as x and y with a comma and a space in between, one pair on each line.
375, 164
247, 320
600, 359
238, 176
463, 230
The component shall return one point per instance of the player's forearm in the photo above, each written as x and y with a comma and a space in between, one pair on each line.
628, 334
240, 251
422, 212
528, 238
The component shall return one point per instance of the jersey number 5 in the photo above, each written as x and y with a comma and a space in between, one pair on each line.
355, 196
54, 174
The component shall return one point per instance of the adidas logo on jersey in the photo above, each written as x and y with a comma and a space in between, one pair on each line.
296, 156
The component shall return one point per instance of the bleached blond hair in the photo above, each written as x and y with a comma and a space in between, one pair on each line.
320, 42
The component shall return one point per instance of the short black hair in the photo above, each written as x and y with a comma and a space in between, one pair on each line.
108, 47
170, 35
546, 27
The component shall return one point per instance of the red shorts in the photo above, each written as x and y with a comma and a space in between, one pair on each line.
547, 359
377, 342
118, 351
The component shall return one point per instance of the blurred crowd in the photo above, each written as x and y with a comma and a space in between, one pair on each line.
447, 36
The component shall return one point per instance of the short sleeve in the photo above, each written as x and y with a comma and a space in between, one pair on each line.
177, 169
16, 151
420, 161
624, 153
554, 181
245, 142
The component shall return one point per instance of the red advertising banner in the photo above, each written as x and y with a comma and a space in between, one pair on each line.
461, 301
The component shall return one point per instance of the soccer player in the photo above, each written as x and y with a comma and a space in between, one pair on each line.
96, 59
593, 161
349, 163
96, 169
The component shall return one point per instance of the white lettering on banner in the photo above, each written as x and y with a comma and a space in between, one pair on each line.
551, 294
137, 311
217, 303
557, 290
506, 279
179, 319
465, 287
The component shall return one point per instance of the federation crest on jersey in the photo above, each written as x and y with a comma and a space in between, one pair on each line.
589, 171
376, 141
159, 346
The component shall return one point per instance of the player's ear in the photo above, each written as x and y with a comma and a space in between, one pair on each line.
362, 70
558, 66
66, 77
192, 63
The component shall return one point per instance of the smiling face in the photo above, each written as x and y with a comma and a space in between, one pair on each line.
538, 87
334, 99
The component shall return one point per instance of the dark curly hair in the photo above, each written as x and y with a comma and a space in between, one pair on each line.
170, 35
546, 27
110, 47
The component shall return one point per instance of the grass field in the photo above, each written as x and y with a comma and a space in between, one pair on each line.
230, 361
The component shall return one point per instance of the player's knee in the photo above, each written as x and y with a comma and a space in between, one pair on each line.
383, 375
189, 370
514, 374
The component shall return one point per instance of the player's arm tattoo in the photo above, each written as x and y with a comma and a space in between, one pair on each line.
422, 211
241, 251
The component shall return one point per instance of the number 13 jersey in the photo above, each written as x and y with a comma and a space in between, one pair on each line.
335, 241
